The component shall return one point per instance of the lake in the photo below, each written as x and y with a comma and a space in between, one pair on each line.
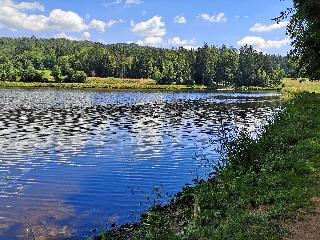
75, 160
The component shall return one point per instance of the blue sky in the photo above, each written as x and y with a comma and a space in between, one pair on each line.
165, 23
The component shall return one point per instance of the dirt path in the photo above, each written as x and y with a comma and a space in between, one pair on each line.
309, 227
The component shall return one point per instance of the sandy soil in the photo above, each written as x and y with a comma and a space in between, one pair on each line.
308, 227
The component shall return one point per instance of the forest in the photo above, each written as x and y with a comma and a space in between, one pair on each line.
62, 60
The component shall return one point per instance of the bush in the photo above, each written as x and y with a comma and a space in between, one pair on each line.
39, 76
76, 77
32, 75
80, 77
56, 73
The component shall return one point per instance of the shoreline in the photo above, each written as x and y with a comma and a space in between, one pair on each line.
127, 84
98, 86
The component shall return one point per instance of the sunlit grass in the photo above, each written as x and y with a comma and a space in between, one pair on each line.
127, 84
105, 83
116, 81
300, 85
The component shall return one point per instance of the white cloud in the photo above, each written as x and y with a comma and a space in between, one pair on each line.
220, 17
180, 19
133, 2
62, 20
190, 47
176, 41
259, 43
258, 27
15, 17
116, 2
153, 27
86, 36
29, 6
126, 3
102, 26
151, 41
173, 42
99, 25
112, 22
66, 36
12, 16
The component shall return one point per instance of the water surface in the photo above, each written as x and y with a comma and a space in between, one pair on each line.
73, 160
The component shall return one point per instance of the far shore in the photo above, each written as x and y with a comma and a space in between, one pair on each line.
128, 84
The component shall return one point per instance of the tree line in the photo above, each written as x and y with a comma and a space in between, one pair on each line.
34, 60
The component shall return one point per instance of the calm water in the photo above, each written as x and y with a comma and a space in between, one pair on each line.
72, 160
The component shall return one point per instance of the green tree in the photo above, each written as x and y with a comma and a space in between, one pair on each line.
247, 67
227, 66
56, 73
79, 77
304, 31
8, 71
26, 59
28, 72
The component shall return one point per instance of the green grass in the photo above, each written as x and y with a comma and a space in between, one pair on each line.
300, 85
119, 83
260, 189
104, 83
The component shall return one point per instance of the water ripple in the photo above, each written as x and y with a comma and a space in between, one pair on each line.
72, 159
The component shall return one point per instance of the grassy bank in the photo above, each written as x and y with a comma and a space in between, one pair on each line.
104, 83
301, 85
260, 190
119, 83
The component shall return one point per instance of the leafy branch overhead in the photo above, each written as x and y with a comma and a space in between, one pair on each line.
304, 30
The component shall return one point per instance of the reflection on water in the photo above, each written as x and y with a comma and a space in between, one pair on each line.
71, 160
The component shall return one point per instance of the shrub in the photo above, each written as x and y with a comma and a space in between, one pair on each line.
76, 77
